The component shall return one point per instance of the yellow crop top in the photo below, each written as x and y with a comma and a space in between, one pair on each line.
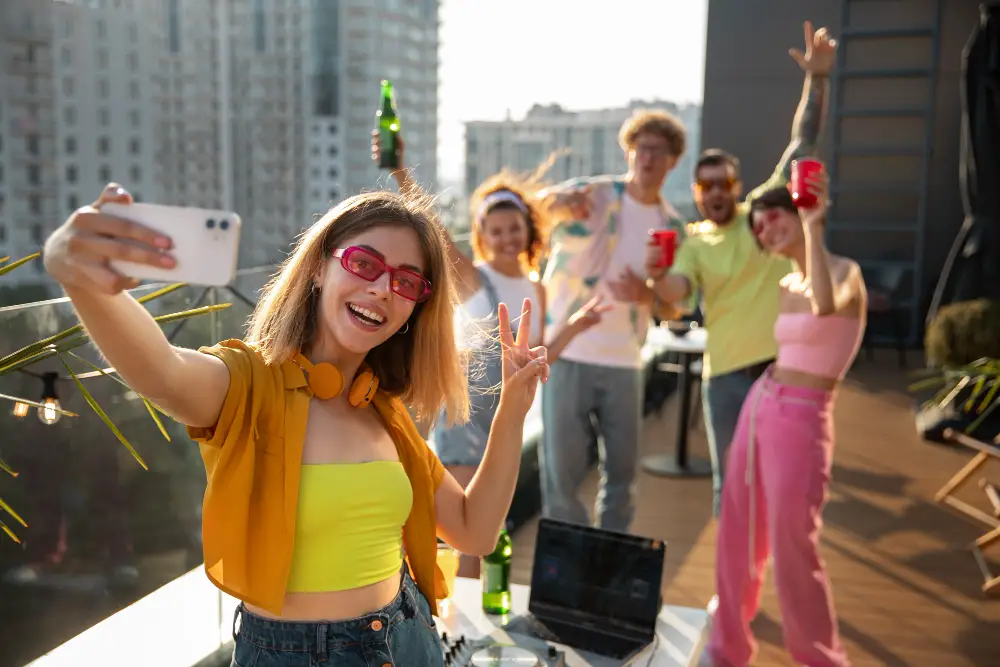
349, 525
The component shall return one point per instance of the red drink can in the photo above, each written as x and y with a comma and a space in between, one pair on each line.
802, 171
667, 240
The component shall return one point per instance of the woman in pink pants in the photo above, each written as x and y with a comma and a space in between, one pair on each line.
779, 463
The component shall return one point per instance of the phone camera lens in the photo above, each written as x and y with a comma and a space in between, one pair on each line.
223, 225
210, 223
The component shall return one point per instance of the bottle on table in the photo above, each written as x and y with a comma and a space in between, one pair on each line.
387, 122
495, 576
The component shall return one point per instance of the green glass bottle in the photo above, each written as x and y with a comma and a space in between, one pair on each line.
387, 121
495, 575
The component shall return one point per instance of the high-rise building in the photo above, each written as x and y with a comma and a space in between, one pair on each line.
262, 107
591, 136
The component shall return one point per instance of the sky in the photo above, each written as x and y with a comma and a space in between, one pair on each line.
500, 57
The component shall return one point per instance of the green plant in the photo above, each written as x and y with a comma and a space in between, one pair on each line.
963, 353
962, 333
61, 345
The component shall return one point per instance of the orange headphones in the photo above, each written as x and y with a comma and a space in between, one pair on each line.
327, 381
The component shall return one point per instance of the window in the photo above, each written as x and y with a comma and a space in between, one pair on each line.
66, 56
71, 174
332, 150
3, 233
259, 37
105, 174
104, 145
103, 88
102, 58
104, 117
332, 173
31, 144
73, 203
333, 194
37, 237
35, 206
134, 146
133, 33
134, 117
71, 145
34, 174
133, 89
174, 25
69, 115
133, 61
101, 28
67, 85
135, 174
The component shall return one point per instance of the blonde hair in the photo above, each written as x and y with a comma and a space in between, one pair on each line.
654, 121
527, 187
422, 366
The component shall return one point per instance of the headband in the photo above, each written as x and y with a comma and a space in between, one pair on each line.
500, 197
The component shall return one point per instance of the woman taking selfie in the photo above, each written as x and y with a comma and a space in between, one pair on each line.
319, 507
781, 454
508, 239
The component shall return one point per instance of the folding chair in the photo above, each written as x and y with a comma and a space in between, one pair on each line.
985, 451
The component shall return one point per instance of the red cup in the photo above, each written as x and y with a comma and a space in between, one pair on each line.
667, 240
802, 172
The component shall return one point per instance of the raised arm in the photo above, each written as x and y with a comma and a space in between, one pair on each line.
834, 286
467, 275
470, 519
187, 385
817, 62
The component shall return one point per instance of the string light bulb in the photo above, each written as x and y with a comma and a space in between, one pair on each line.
20, 409
49, 412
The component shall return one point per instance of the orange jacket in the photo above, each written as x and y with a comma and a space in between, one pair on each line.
253, 457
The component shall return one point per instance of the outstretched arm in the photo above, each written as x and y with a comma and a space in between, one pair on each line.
817, 62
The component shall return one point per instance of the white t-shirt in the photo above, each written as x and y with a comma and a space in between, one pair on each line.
511, 291
612, 342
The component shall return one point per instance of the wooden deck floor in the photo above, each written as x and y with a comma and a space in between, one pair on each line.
907, 590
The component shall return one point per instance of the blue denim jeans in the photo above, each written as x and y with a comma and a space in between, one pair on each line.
722, 399
401, 633
575, 395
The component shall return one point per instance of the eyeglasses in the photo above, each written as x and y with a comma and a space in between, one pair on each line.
366, 265
706, 184
767, 218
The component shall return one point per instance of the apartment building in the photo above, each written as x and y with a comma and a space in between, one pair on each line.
261, 106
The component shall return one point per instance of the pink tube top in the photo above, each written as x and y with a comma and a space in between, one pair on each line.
818, 345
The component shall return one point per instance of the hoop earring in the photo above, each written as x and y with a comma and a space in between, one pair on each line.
404, 330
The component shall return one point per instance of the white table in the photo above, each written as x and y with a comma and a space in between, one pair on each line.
680, 630
689, 348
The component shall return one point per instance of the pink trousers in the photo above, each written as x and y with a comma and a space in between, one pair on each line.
772, 501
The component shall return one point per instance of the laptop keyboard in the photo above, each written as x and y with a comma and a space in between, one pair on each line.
583, 639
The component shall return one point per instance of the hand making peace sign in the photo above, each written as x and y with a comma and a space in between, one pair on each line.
523, 367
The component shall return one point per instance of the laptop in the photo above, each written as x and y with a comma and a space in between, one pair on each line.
592, 589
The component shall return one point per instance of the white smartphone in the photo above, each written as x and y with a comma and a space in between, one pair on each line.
206, 243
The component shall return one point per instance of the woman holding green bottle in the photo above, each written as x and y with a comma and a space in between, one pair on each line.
508, 238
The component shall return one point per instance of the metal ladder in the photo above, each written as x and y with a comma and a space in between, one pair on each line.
892, 271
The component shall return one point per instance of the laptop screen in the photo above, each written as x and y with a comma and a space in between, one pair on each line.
589, 576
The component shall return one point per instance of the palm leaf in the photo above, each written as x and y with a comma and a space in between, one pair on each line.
10, 533
64, 340
7, 469
104, 417
108, 372
7, 268
10, 510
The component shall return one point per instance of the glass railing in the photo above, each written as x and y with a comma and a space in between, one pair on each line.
102, 531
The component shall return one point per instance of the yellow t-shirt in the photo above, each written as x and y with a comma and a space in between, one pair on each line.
739, 287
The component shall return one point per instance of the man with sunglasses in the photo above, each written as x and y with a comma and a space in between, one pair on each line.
738, 282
